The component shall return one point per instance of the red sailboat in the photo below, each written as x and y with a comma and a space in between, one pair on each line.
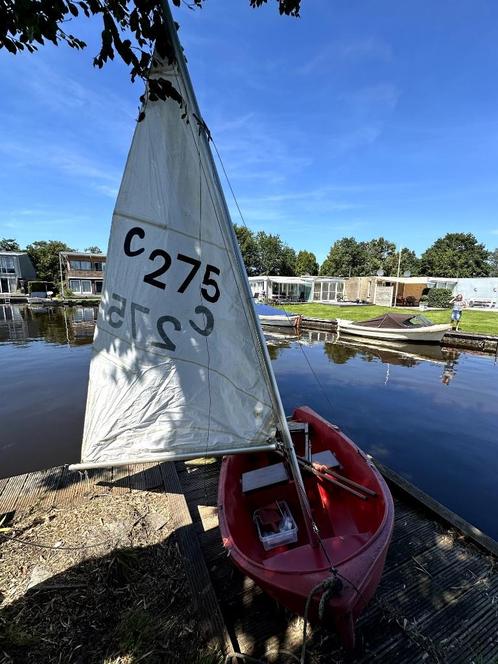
350, 505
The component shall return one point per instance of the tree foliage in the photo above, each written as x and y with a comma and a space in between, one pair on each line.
346, 257
306, 263
45, 258
9, 244
409, 263
134, 31
381, 255
456, 255
248, 249
493, 263
275, 257
93, 249
264, 253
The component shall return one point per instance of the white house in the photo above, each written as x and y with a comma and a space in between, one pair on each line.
298, 289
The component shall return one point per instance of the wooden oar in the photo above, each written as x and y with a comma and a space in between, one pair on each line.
329, 479
338, 476
346, 480
336, 483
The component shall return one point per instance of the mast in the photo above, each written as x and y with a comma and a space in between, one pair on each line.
275, 395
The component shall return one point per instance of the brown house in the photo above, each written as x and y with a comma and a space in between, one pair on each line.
84, 273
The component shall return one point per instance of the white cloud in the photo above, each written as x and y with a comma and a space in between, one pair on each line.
370, 48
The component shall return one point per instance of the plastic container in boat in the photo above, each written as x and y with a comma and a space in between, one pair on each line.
276, 525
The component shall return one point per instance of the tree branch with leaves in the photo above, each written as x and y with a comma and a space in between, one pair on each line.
135, 32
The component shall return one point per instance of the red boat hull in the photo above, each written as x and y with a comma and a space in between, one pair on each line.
355, 533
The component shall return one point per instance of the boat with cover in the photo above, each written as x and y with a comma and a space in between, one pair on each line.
400, 327
273, 317
180, 370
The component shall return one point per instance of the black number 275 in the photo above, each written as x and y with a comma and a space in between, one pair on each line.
162, 261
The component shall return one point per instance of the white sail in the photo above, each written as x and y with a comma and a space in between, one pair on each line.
177, 367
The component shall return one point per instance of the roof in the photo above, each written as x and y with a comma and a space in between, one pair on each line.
396, 320
404, 280
81, 253
282, 280
13, 253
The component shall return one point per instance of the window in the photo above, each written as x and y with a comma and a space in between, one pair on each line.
99, 267
86, 286
75, 285
80, 265
7, 265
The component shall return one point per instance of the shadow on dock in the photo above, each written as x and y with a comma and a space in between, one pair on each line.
437, 601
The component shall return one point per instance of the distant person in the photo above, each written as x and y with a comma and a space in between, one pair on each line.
456, 314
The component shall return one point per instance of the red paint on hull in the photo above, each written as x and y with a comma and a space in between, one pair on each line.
355, 533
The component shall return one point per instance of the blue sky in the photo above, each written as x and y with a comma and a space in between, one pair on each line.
365, 119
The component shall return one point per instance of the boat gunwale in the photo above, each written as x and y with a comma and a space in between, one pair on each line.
437, 327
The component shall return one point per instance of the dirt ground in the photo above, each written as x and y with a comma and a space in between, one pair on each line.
108, 586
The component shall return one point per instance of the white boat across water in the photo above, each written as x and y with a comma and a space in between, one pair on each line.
276, 317
398, 327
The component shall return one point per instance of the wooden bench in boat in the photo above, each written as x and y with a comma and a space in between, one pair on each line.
277, 472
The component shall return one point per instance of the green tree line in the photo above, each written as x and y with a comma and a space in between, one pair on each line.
454, 255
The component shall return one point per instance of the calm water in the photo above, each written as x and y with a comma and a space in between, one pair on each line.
431, 415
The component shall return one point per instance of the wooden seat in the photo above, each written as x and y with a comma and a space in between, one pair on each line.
266, 476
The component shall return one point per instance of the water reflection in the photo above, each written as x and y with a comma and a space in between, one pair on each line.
341, 350
22, 324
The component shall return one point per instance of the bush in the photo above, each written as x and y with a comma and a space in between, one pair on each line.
424, 298
439, 297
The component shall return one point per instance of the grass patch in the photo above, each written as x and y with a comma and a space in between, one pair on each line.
472, 321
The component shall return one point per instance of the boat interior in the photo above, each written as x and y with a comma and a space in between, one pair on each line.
347, 516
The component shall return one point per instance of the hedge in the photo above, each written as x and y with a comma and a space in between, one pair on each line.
439, 297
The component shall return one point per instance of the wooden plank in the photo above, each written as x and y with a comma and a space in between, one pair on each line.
12, 492
36, 486
120, 480
470, 531
152, 477
138, 478
197, 572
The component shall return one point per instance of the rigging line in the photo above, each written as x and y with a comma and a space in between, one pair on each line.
39, 545
322, 389
227, 179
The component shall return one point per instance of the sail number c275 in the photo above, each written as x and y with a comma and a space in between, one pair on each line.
210, 290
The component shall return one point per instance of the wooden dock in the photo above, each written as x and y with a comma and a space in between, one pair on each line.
437, 602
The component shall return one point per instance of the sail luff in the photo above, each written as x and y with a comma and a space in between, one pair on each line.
254, 321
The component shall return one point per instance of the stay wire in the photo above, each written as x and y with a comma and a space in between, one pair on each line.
228, 180
322, 389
